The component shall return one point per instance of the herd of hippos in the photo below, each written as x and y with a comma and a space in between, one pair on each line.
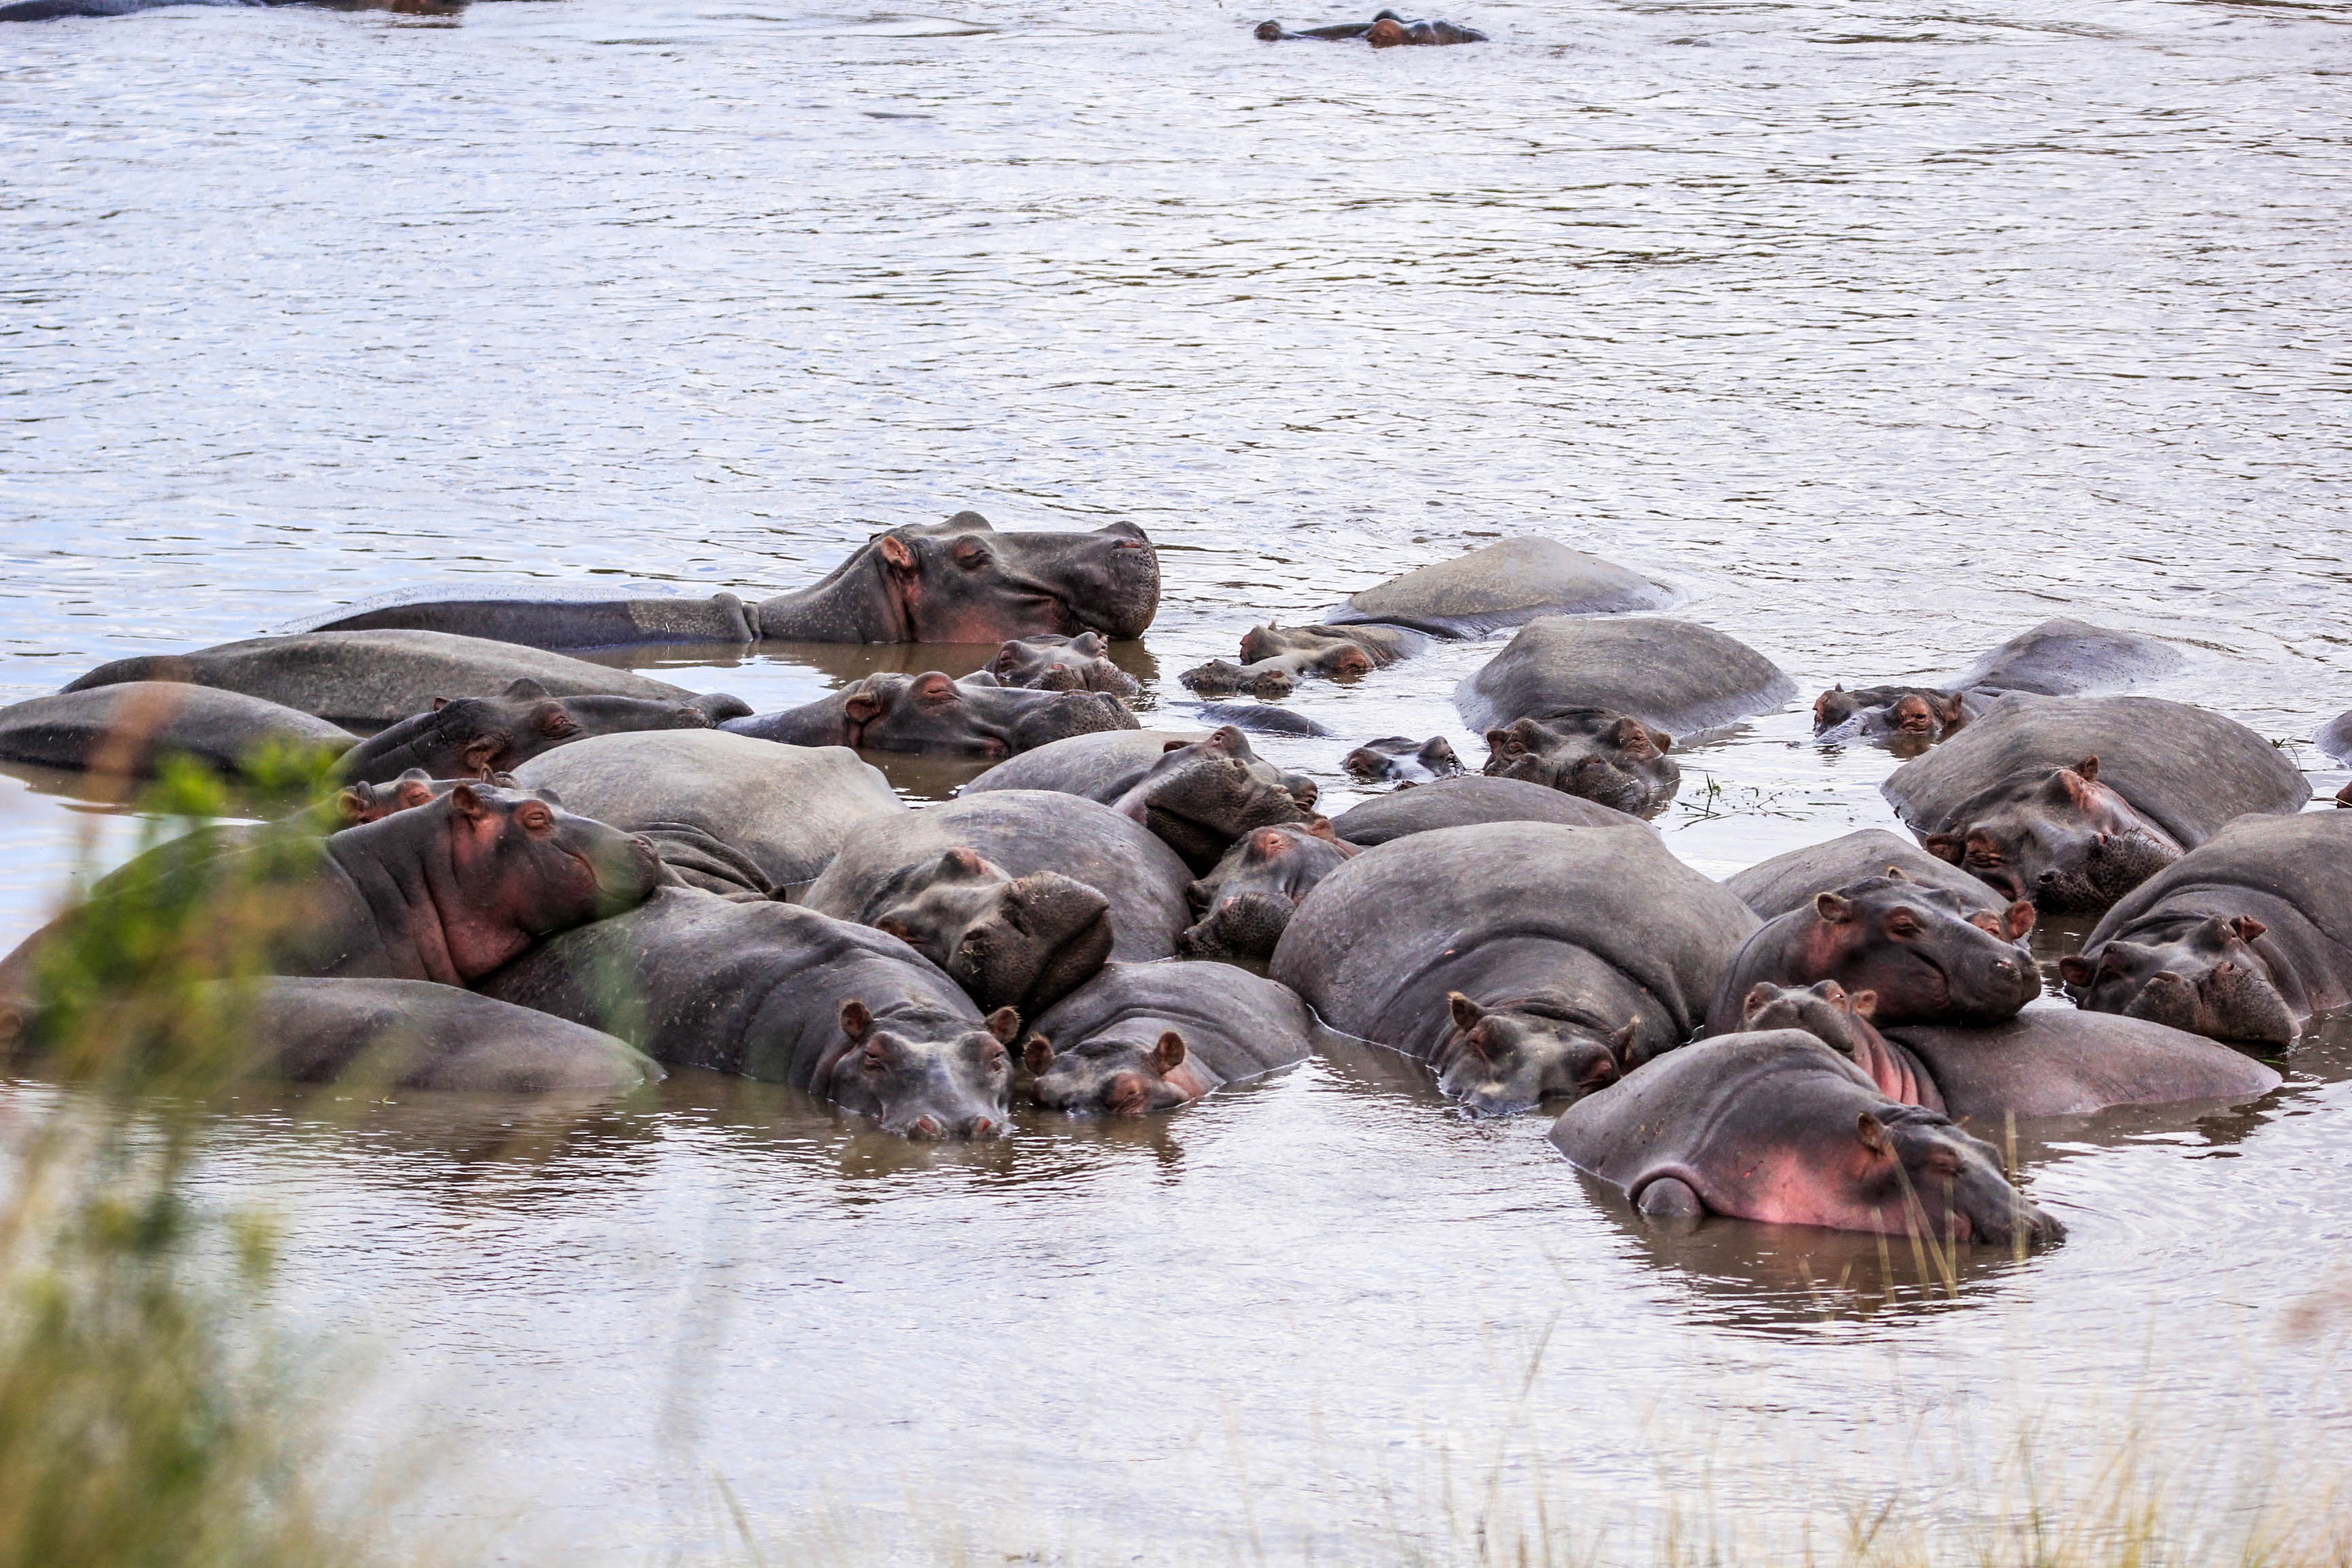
543, 871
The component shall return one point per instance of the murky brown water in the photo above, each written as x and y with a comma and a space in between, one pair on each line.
1879, 332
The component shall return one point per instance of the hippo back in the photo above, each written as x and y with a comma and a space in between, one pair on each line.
1101, 767
2057, 1061
1676, 675
1503, 585
1237, 1023
415, 1035
1772, 887
2064, 656
1466, 802
130, 728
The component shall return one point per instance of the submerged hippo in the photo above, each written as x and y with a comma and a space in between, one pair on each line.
1928, 955
368, 680
2244, 937
1676, 675
1784, 882
1140, 1037
1045, 663
473, 737
132, 727
1506, 583
1274, 657
2067, 657
958, 581
1385, 30
1589, 751
1466, 802
1246, 902
1776, 1126
775, 992
1100, 767
932, 713
1523, 960
1404, 758
413, 1035
2335, 737
2073, 801
1909, 717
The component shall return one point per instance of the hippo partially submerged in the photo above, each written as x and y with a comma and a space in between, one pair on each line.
957, 582
1140, 1037
1466, 802
1523, 960
1386, 30
1776, 1126
132, 727
1246, 900
1503, 585
474, 737
2060, 658
1404, 758
2244, 937
1676, 675
2073, 801
1045, 663
1775, 887
1907, 716
412, 1035
932, 712
1273, 657
1589, 751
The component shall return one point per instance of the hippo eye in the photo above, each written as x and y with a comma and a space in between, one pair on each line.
971, 553
1976, 857
535, 818
1901, 924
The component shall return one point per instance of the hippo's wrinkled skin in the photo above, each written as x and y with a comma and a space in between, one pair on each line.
1906, 717
1776, 1126
1386, 30
956, 581
132, 728
1589, 751
1402, 757
1023, 942
1927, 956
1676, 675
1081, 663
1784, 882
2065, 657
412, 1035
1273, 657
1140, 1037
1523, 960
776, 992
1466, 802
1246, 900
1200, 796
367, 679
932, 713
2073, 801
2243, 939
1507, 583
473, 737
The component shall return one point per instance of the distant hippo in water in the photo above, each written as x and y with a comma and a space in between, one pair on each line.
1385, 30
1907, 718
1402, 757
1776, 1126
1044, 663
2335, 737
2245, 938
2059, 657
1784, 882
1675, 675
412, 1035
1140, 1037
1466, 802
476, 736
1273, 657
1246, 900
2073, 801
1507, 583
932, 712
959, 582
132, 727
1589, 751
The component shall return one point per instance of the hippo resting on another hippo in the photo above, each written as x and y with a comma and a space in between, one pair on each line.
1386, 30
1402, 757
1273, 657
2073, 801
368, 680
1774, 886
1246, 900
1140, 1037
958, 581
2244, 937
1776, 1126
1589, 753
1503, 585
1466, 802
772, 991
930, 712
414, 1035
1522, 960
2046, 1061
1676, 675
130, 729
2060, 658
474, 737
1044, 663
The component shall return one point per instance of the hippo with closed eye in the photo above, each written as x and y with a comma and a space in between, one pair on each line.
1403, 759
1774, 886
1045, 663
1589, 751
1140, 1037
1244, 902
473, 737
932, 713
1905, 719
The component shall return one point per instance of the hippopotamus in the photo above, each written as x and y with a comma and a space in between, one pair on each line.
1244, 902
413, 1035
473, 737
1589, 751
1273, 657
1140, 1037
2335, 737
1503, 585
955, 581
2244, 937
368, 680
1776, 1126
1929, 956
1464, 803
1907, 718
1842, 1021
788, 994
2065, 657
1524, 961
131, 729
1675, 675
1385, 30
1402, 757
1100, 767
1020, 923
1774, 886
1263, 717
1045, 663
727, 813
51, 10
2073, 801
932, 712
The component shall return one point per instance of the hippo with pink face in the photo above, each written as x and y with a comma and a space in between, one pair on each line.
1246, 900
1592, 753
1141, 1038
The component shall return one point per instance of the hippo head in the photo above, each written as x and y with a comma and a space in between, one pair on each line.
1270, 31
1388, 32
1202, 796
1018, 942
1081, 663
1223, 678
1339, 656
1841, 1021
2202, 975
1928, 957
1113, 1077
2056, 836
1243, 906
1402, 757
475, 737
1909, 717
1499, 1060
355, 803
961, 581
1590, 751
930, 712
1911, 1160
926, 1079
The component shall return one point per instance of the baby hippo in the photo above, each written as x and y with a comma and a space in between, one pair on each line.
1404, 758
1202, 795
1592, 753
1926, 956
1141, 1038
1244, 904
1044, 663
1842, 1022
1273, 657
1010, 942
1904, 717
932, 713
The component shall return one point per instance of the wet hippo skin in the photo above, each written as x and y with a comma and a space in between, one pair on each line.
1466, 802
932, 713
1140, 1037
474, 737
1775, 887
1504, 585
132, 727
1676, 675
1244, 902
412, 1035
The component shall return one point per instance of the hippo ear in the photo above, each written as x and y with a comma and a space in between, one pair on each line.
1870, 1133
1621, 1042
1949, 847
1320, 827
1196, 898
1898, 874
863, 707
1466, 1012
896, 553
1863, 1002
466, 801
440, 704
2076, 970
857, 1022
524, 689
1005, 1023
354, 804
1758, 996
1834, 908
2248, 928
551, 719
1173, 746
1038, 1054
1503, 743
959, 865
2018, 920
1169, 1054
2089, 768
2074, 785
1660, 740
1952, 708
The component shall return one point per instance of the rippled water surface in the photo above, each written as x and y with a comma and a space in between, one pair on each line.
1880, 333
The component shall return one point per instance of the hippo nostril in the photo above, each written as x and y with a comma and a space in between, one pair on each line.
923, 1127
2047, 878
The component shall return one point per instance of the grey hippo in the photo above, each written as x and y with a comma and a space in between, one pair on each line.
1386, 30
1774, 886
412, 1035
1140, 1037
132, 729
474, 737
1590, 752
2060, 658
1675, 675
1466, 802
1274, 659
1246, 899
1404, 759
933, 714
1046, 663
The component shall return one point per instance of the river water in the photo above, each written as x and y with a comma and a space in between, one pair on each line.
1879, 331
